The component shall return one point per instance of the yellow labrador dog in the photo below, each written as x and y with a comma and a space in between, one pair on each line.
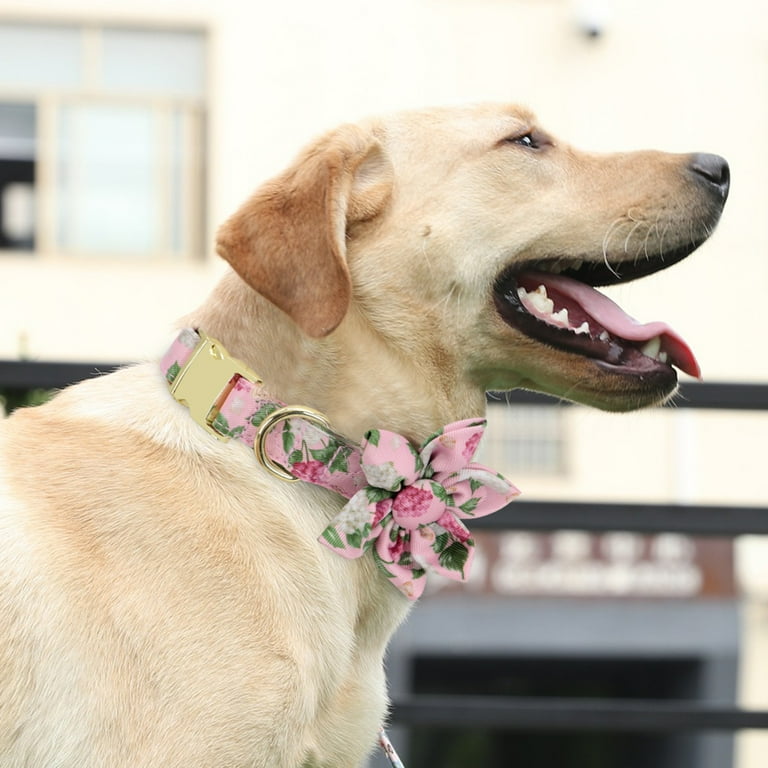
163, 599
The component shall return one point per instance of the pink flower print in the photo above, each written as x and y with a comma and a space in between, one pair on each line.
451, 451
310, 471
457, 529
243, 385
397, 547
389, 551
412, 501
471, 446
382, 509
417, 505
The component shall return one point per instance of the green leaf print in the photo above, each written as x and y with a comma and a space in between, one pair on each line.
469, 506
454, 557
442, 494
373, 437
375, 495
418, 463
323, 454
331, 535
340, 461
359, 538
381, 563
221, 425
263, 412
406, 559
288, 438
173, 372
440, 542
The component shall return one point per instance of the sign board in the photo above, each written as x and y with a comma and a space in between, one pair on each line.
608, 565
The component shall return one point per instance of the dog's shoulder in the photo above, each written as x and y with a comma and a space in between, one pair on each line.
111, 443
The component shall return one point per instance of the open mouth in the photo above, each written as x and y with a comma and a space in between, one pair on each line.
556, 303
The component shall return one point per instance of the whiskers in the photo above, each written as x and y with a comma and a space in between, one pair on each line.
632, 237
614, 229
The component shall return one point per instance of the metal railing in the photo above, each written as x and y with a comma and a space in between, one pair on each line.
573, 714
24, 374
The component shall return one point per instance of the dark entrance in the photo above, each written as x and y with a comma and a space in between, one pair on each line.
616, 678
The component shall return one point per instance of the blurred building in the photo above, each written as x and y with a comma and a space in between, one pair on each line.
128, 132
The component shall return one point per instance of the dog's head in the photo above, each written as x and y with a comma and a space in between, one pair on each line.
474, 238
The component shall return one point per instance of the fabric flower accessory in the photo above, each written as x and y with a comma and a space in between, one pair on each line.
409, 515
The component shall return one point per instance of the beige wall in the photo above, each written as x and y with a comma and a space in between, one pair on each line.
666, 73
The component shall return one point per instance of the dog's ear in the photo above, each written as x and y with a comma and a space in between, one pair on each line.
288, 241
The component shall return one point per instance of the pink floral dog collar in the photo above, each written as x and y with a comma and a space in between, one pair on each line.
405, 504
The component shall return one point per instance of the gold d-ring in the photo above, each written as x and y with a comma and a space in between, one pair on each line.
266, 426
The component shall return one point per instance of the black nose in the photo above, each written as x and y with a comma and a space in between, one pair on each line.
714, 170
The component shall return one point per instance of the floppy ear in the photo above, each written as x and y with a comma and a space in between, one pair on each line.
288, 241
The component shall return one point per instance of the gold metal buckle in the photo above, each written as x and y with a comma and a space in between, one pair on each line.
206, 379
266, 426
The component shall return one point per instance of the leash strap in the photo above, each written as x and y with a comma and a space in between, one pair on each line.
389, 750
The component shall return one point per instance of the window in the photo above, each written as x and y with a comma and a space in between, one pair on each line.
101, 136
17, 175
524, 439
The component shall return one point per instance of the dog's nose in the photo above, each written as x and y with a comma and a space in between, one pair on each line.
714, 170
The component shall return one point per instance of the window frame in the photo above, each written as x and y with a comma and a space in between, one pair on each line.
185, 214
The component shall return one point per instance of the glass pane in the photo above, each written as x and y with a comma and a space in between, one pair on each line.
17, 175
526, 438
151, 61
176, 161
107, 179
40, 56
17, 131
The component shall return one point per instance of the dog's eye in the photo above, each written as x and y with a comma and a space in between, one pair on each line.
528, 140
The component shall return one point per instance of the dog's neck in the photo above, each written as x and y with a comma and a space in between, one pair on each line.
405, 502
355, 376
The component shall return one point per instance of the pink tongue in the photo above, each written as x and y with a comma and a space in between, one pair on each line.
613, 318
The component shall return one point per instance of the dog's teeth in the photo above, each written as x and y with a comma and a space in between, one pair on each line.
544, 307
538, 299
663, 357
578, 264
561, 317
651, 348
604, 336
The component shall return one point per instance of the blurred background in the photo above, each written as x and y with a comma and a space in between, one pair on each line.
129, 131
